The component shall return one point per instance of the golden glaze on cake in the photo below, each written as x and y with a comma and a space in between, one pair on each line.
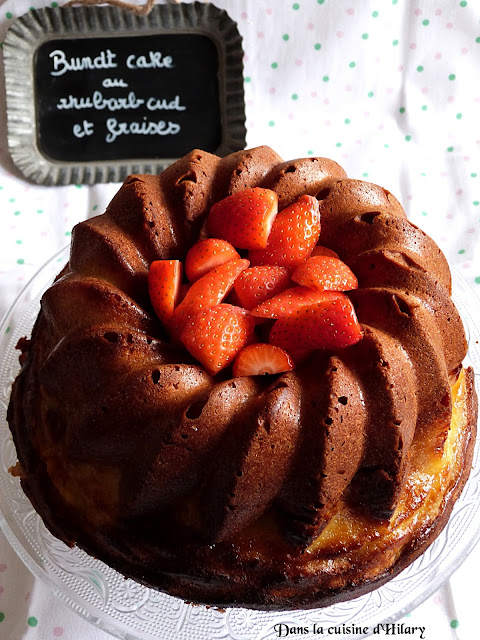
294, 491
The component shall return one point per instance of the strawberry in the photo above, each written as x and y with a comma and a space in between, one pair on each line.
206, 255
208, 291
164, 279
259, 359
318, 250
216, 334
291, 300
254, 286
325, 273
327, 325
294, 234
244, 218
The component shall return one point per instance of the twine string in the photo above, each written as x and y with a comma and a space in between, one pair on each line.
140, 10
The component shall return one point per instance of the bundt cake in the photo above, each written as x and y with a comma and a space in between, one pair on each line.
301, 488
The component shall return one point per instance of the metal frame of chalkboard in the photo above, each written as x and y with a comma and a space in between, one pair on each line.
34, 28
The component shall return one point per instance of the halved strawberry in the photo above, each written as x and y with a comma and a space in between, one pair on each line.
291, 300
207, 291
254, 286
325, 273
327, 325
244, 218
164, 279
318, 250
207, 254
294, 233
215, 335
259, 359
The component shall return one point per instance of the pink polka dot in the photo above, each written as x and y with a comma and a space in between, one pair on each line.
444, 174
291, 116
249, 103
381, 126
377, 60
409, 197
260, 34
272, 90
340, 34
350, 11
245, 58
326, 101
358, 141
20, 278
390, 91
366, 114
459, 192
449, 25
466, 265
466, 158
348, 87
1, 589
244, 15
477, 99
438, 55
27, 595
44, 233
3, 567
314, 94
450, 98
345, 156
400, 68
438, 12
424, 89
298, 62
418, 12
310, 26
471, 230
57, 631
464, 51
413, 46
269, 11
328, 123
449, 216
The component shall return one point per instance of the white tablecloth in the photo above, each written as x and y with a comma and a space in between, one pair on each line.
388, 88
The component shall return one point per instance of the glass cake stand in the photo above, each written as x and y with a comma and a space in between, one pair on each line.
130, 611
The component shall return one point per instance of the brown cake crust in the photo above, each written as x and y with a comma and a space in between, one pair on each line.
282, 493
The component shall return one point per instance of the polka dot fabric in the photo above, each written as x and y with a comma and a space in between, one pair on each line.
389, 89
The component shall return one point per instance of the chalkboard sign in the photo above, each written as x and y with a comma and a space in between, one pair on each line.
133, 97
106, 93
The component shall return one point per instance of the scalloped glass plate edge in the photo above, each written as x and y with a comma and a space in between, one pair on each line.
130, 611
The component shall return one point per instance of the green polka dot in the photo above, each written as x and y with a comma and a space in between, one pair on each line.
9, 15
452, 76
18, 242
408, 138
395, 43
402, 109
364, 36
476, 203
95, 207
454, 623
271, 123
39, 210
424, 107
20, 261
352, 65
473, 175
459, 116
424, 213
16, 213
477, 280
317, 46
463, 3
286, 37
386, 146
320, 1
309, 152
394, 1
32, 621
347, 121
423, 174
296, 6
54, 4
79, 186
248, 79
375, 14
370, 94
449, 149
364, 174
425, 23
461, 252
477, 39
419, 68
2, 615
274, 65
339, 144
294, 96
68, 233
1, 187
11, 199
325, 78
